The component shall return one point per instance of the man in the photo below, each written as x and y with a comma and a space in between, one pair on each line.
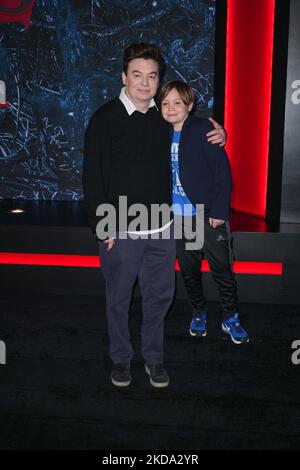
127, 153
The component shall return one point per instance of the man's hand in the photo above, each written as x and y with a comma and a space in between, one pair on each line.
110, 243
215, 222
218, 135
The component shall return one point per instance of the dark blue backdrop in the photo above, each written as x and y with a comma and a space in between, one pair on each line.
69, 63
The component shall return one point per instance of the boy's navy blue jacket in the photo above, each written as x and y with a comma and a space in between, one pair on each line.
204, 169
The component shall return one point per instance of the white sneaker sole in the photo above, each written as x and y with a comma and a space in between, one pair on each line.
120, 384
226, 330
197, 334
156, 384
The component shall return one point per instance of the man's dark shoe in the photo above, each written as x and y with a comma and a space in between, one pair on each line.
120, 375
158, 375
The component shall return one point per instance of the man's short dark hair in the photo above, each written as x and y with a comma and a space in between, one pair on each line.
143, 51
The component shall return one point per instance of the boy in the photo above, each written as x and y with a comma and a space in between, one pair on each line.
201, 175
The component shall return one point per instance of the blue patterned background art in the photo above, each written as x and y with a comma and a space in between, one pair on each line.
69, 63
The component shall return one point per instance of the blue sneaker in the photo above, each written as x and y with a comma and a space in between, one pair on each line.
198, 325
232, 327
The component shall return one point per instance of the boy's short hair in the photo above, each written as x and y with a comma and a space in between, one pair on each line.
143, 51
184, 89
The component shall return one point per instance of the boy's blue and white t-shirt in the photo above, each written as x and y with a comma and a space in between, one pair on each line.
179, 197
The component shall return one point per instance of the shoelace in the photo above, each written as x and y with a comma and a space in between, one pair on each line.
200, 318
198, 321
237, 326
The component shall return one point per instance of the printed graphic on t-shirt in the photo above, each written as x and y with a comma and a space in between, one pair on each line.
179, 196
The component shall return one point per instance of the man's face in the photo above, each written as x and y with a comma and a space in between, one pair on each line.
141, 80
174, 110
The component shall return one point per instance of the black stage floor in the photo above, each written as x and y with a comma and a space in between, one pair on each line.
55, 391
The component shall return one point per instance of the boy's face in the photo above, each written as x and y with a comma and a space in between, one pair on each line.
174, 110
141, 80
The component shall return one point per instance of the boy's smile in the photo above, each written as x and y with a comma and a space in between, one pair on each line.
174, 110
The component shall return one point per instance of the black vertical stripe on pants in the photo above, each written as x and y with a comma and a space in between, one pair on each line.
217, 250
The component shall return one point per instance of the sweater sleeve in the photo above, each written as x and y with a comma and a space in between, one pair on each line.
96, 154
219, 164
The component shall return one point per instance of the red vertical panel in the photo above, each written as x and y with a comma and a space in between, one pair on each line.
249, 49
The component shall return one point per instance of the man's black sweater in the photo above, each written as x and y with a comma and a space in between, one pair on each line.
126, 156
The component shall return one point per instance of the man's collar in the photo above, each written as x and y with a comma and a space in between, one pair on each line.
130, 107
